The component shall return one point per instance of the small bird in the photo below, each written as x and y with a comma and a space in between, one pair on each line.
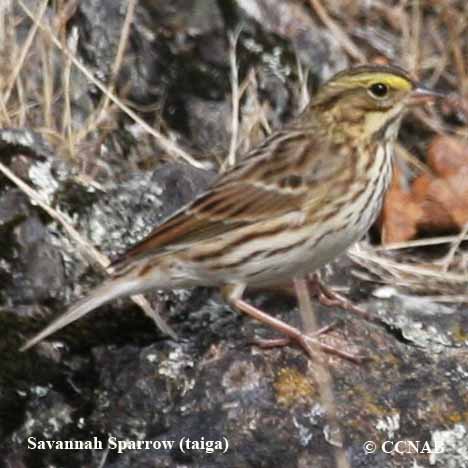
288, 207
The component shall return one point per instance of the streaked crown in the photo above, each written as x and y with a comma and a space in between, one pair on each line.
376, 86
367, 99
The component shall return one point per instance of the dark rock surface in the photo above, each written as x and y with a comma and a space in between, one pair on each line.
113, 374
214, 385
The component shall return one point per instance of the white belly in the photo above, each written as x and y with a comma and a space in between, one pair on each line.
301, 250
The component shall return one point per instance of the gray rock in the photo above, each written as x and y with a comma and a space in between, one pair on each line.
316, 47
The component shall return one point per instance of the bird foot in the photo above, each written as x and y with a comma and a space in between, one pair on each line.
329, 298
268, 343
303, 342
310, 344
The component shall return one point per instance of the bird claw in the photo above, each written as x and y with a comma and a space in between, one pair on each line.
329, 298
308, 343
268, 343
329, 349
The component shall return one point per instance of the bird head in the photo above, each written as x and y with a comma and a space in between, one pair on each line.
370, 100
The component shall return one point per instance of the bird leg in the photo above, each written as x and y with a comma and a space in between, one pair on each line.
279, 342
329, 298
233, 295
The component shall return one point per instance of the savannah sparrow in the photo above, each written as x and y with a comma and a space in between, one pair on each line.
291, 205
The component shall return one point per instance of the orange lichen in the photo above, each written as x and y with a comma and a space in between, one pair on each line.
293, 387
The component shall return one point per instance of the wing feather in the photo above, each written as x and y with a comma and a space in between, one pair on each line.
257, 189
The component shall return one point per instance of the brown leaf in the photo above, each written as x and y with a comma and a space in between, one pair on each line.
432, 195
444, 201
400, 214
459, 185
447, 155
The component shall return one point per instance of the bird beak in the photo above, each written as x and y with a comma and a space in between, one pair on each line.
421, 95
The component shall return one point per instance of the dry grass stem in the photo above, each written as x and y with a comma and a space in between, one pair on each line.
420, 243
448, 259
24, 51
233, 39
421, 278
321, 372
404, 155
341, 36
415, 32
67, 112
168, 145
95, 119
85, 247
47, 83
304, 95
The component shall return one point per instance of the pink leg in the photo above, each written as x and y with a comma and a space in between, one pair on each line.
292, 334
280, 342
330, 298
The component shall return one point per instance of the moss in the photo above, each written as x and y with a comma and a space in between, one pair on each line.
459, 334
293, 387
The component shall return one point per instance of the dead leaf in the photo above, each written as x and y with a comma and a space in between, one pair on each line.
447, 155
400, 214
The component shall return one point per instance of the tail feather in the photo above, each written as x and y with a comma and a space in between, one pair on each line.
99, 296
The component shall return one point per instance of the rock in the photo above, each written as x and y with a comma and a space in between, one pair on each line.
42, 275
24, 141
112, 374
32, 268
210, 125
315, 46
125, 214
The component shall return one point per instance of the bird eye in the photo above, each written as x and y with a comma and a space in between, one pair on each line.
378, 90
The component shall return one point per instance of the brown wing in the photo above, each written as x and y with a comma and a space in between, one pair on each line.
270, 182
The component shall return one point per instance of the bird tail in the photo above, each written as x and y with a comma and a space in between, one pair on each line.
99, 296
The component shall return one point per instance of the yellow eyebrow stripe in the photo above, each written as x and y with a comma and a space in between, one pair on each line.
394, 81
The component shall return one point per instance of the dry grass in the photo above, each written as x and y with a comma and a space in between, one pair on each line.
63, 134
66, 134
433, 46
430, 45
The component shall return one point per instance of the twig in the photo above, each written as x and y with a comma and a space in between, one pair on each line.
342, 36
304, 98
404, 154
398, 269
169, 146
415, 36
455, 299
321, 372
123, 42
84, 245
24, 51
4, 111
105, 454
458, 55
419, 243
233, 38
47, 82
253, 113
67, 113
448, 259
22, 102
96, 117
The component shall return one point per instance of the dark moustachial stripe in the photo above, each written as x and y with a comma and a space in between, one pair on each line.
380, 134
